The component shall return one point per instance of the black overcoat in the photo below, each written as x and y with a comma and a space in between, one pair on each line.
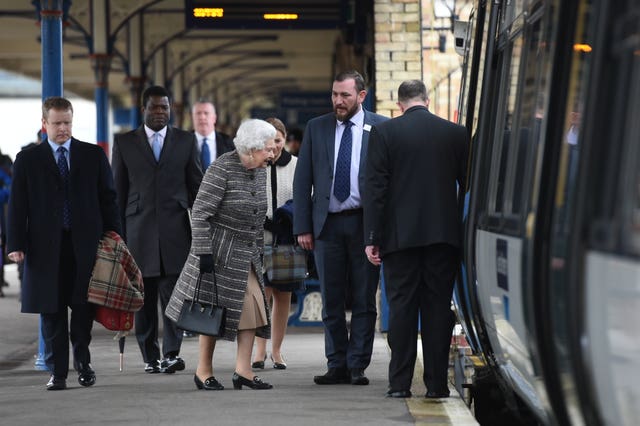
35, 218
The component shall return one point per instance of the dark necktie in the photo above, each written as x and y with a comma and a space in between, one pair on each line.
63, 167
342, 181
205, 155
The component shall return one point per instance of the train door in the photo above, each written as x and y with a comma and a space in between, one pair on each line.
595, 242
505, 187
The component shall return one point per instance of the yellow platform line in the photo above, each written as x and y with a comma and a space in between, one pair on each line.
436, 412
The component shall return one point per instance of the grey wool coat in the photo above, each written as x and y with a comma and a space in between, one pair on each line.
227, 220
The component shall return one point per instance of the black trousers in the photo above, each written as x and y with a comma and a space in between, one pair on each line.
419, 283
146, 320
56, 329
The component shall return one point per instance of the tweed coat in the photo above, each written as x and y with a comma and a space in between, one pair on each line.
227, 220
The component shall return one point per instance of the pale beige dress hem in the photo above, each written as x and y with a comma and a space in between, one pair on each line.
254, 313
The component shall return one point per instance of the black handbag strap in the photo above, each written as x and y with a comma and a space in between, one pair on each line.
274, 202
196, 293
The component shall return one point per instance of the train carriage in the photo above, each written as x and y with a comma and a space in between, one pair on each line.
551, 289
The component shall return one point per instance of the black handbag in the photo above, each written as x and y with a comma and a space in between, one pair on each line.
202, 317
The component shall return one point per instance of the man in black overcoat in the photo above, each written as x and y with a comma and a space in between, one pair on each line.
62, 201
157, 173
416, 165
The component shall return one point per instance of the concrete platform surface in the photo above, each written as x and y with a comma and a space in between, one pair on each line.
132, 397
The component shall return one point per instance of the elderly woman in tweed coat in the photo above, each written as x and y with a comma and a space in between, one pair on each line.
227, 224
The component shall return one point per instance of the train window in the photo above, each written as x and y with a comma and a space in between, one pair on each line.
511, 13
468, 70
534, 87
466, 73
570, 149
504, 132
629, 130
616, 223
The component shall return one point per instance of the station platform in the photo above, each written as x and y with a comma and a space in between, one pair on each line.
132, 397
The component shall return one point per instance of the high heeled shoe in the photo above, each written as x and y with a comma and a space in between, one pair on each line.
256, 383
278, 365
210, 384
259, 364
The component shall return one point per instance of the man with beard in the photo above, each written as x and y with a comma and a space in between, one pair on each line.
157, 173
327, 192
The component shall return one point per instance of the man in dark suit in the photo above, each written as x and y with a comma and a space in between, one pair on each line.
412, 222
327, 190
211, 144
157, 173
62, 201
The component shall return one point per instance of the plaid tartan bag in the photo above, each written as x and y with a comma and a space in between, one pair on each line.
285, 263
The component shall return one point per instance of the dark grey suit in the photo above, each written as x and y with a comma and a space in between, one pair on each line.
153, 199
411, 212
339, 246
224, 144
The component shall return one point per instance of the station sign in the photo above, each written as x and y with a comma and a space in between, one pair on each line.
262, 15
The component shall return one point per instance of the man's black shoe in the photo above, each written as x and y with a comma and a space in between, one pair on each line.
333, 376
152, 367
398, 394
172, 364
86, 375
358, 377
56, 383
434, 394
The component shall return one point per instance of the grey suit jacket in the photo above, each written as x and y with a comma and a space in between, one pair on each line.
314, 172
154, 197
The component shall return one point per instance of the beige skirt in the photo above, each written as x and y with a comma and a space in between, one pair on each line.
254, 313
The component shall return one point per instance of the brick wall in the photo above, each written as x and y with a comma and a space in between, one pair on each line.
406, 47
398, 50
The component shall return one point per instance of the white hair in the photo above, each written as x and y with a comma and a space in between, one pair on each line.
253, 134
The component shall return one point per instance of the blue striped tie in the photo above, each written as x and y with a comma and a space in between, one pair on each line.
63, 167
342, 180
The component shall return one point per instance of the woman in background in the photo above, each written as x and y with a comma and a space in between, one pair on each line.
279, 190
227, 223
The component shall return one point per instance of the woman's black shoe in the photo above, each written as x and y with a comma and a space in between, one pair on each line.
210, 384
259, 364
256, 383
278, 365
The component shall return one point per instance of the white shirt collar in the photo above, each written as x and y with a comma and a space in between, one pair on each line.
211, 137
54, 146
150, 132
357, 119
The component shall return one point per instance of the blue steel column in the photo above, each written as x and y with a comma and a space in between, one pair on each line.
101, 63
51, 15
136, 68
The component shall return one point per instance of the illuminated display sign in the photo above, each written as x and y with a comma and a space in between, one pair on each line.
227, 14
208, 12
